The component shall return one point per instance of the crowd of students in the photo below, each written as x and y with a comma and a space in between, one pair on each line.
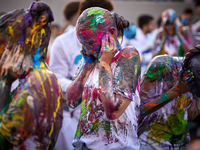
108, 84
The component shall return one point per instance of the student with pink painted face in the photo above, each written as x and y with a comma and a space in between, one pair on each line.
106, 84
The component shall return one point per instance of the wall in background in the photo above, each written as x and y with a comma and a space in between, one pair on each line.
128, 9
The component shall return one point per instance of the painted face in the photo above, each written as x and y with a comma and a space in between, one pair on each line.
170, 29
169, 18
90, 40
195, 68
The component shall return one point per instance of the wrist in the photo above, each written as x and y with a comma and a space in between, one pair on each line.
103, 64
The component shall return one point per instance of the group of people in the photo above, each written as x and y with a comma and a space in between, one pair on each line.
93, 95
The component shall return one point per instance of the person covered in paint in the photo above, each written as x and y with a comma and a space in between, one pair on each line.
31, 115
64, 60
106, 84
166, 101
165, 128
172, 39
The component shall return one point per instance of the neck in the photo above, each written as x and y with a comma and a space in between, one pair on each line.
38, 64
143, 30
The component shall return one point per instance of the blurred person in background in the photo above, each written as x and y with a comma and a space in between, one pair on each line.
71, 13
196, 25
54, 33
65, 58
172, 39
142, 41
129, 35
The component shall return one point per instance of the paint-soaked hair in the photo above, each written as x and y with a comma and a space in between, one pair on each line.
186, 61
121, 24
101, 19
85, 4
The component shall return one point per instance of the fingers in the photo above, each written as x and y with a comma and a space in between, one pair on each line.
108, 42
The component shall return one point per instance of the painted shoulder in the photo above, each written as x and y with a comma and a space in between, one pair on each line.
42, 77
129, 52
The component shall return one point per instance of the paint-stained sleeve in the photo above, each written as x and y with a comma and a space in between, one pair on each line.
18, 121
127, 73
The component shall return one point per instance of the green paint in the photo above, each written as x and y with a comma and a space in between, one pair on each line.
106, 47
18, 21
181, 52
154, 71
78, 132
165, 97
175, 125
95, 12
94, 28
96, 19
1, 143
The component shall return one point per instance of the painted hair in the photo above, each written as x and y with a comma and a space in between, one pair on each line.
191, 54
102, 20
168, 17
17, 28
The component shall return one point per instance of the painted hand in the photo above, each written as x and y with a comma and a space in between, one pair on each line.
186, 81
188, 77
10, 70
108, 49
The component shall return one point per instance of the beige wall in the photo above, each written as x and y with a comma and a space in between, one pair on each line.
129, 9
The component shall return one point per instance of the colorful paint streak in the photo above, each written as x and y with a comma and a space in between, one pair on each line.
33, 111
164, 106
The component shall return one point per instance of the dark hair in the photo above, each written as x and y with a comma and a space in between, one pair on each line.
84, 4
159, 21
188, 11
71, 9
197, 3
144, 20
186, 61
121, 24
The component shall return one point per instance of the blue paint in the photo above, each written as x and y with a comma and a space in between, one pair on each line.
88, 59
77, 59
36, 63
130, 32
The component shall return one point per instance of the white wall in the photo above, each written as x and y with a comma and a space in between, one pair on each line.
128, 9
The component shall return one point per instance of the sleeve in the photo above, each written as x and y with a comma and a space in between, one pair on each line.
127, 74
17, 122
59, 63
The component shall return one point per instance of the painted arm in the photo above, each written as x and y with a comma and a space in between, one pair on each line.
17, 117
182, 40
115, 104
75, 89
180, 88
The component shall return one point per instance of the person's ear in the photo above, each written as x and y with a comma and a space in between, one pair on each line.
112, 31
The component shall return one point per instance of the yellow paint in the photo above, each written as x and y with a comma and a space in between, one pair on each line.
10, 31
182, 103
37, 75
34, 36
54, 114
42, 65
